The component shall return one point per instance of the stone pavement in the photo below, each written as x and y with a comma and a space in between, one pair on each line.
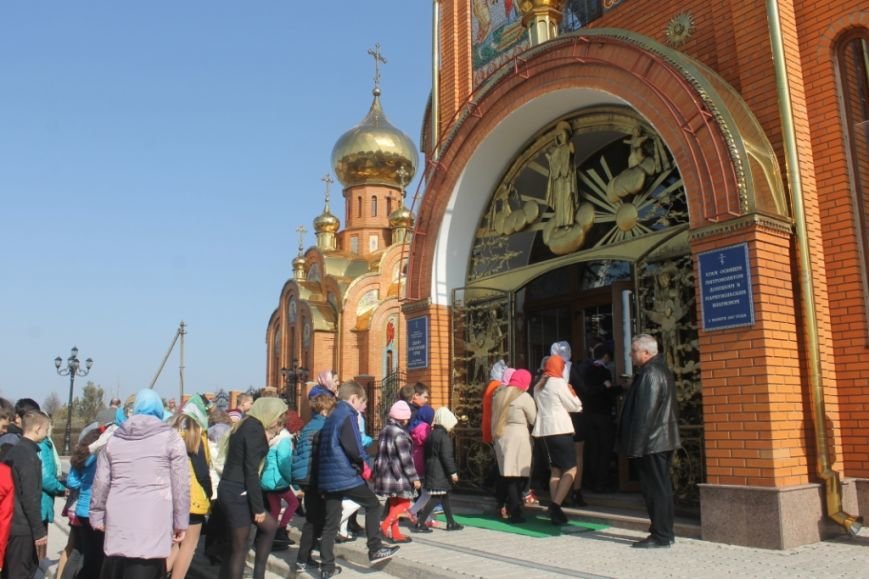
486, 554
483, 553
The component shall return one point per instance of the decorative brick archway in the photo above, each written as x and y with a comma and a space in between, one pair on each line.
700, 118
752, 395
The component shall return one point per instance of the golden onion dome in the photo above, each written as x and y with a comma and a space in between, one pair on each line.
401, 217
374, 152
326, 222
299, 261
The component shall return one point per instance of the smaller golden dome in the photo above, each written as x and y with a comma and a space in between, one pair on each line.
401, 217
326, 222
299, 261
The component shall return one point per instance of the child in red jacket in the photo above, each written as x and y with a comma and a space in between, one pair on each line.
7, 503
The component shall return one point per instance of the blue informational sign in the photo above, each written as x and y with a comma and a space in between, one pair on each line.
725, 288
417, 343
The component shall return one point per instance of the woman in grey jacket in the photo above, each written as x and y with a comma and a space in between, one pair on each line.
141, 493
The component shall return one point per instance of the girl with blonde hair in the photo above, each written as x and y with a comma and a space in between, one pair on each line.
192, 425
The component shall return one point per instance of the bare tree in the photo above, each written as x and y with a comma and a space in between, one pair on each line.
52, 404
90, 402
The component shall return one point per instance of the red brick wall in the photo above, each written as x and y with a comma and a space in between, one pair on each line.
756, 397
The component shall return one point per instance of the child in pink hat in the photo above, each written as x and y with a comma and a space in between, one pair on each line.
394, 473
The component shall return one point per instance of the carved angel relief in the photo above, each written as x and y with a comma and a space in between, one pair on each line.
580, 205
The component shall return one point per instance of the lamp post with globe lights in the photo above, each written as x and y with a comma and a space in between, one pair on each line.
72, 370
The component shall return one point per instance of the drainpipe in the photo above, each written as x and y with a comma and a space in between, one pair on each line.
435, 78
832, 484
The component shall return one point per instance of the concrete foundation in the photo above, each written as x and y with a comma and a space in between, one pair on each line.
772, 518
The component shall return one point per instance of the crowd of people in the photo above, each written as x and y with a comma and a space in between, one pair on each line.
147, 480
571, 415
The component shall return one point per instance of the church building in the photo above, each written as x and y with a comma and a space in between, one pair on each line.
594, 169
341, 309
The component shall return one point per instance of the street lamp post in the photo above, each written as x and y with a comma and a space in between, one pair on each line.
292, 377
72, 370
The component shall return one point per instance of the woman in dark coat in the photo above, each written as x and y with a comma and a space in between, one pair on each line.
440, 470
239, 492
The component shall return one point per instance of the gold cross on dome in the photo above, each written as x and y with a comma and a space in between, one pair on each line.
327, 179
403, 174
378, 60
301, 231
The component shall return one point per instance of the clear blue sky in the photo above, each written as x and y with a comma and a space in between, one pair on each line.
155, 160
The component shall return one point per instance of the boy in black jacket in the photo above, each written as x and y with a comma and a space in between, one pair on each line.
28, 536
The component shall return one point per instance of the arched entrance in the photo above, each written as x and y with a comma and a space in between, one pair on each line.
724, 163
584, 239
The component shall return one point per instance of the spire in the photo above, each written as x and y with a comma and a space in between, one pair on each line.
378, 60
327, 225
301, 231
401, 220
299, 261
327, 179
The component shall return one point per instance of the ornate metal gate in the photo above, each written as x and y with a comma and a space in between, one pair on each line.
668, 312
482, 331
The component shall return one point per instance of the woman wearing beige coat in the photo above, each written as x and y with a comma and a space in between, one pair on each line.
513, 413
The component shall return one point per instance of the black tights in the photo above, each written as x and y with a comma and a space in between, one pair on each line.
233, 567
433, 501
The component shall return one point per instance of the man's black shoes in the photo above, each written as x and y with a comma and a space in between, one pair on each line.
651, 543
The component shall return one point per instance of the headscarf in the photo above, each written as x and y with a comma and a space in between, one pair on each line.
195, 409
326, 378
121, 412
520, 379
508, 373
424, 414
266, 410
444, 417
148, 403
554, 367
562, 349
88, 429
497, 372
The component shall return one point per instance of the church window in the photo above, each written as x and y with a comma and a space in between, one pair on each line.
388, 206
373, 206
354, 244
853, 63
373, 243
359, 206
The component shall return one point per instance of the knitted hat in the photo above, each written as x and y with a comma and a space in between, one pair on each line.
195, 409
520, 379
400, 411
234, 415
444, 417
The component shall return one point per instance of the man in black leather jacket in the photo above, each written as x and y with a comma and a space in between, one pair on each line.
648, 435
